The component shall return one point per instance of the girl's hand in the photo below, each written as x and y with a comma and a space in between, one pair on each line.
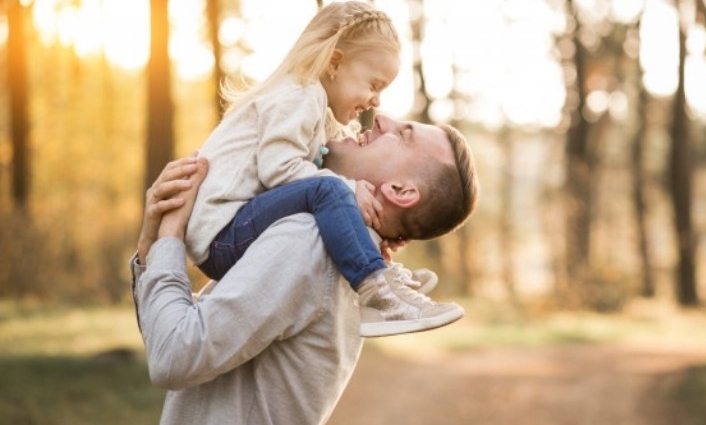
370, 207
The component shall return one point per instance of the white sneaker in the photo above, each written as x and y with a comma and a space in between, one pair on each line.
427, 280
388, 307
421, 280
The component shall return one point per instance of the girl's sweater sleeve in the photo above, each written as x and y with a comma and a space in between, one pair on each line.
291, 127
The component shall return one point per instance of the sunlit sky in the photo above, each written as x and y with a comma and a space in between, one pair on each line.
501, 51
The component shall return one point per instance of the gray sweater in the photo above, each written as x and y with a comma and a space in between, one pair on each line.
275, 342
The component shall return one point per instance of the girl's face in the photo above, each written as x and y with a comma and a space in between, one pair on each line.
357, 83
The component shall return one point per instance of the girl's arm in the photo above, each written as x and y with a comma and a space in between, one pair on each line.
291, 128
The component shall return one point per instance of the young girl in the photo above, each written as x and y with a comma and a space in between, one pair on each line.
265, 163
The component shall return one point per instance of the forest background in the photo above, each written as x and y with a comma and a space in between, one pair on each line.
586, 118
588, 123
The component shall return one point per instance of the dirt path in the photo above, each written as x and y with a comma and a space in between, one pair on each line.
569, 385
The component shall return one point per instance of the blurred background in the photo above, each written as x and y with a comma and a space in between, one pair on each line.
587, 119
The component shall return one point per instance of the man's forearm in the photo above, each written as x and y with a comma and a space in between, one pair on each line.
163, 298
188, 344
143, 247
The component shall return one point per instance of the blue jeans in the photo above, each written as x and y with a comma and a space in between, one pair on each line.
335, 210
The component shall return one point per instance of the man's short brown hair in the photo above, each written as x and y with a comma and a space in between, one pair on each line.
448, 192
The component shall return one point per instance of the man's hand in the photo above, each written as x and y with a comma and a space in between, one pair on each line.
175, 220
388, 246
368, 205
162, 197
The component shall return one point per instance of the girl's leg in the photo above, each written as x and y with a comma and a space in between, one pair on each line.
387, 305
337, 216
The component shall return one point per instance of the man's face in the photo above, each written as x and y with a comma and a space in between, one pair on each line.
390, 151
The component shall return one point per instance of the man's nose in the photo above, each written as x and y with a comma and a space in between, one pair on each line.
384, 122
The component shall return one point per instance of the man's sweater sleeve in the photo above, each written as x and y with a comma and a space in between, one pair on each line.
263, 298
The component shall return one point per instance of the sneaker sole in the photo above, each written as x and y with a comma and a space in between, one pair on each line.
396, 327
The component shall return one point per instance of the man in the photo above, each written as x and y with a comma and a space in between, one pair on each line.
276, 341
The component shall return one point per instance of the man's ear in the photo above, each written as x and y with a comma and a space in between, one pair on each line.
334, 62
404, 195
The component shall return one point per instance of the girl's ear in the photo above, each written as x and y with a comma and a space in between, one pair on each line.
334, 62
400, 194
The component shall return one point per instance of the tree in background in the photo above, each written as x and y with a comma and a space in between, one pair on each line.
19, 95
680, 180
639, 178
213, 12
579, 188
160, 108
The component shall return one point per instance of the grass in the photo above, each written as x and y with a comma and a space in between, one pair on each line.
79, 366
85, 365
76, 390
691, 393
27, 329
492, 325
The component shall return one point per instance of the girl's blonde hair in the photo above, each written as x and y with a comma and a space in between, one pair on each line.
351, 26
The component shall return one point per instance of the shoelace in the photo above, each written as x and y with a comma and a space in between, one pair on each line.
414, 294
404, 276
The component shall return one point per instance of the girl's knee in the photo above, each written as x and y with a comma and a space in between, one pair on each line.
332, 184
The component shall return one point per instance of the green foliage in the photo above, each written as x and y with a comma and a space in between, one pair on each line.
76, 390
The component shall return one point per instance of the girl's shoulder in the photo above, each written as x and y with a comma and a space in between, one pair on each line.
289, 90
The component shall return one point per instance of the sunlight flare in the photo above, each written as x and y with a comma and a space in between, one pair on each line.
499, 55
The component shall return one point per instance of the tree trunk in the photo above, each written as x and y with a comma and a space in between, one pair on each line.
18, 94
213, 9
638, 193
681, 175
422, 101
507, 214
160, 109
578, 186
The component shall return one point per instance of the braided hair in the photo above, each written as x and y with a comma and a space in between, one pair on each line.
367, 17
351, 26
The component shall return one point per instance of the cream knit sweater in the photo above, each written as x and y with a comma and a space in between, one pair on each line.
270, 141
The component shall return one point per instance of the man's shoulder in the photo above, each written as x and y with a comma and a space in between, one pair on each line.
297, 229
293, 250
